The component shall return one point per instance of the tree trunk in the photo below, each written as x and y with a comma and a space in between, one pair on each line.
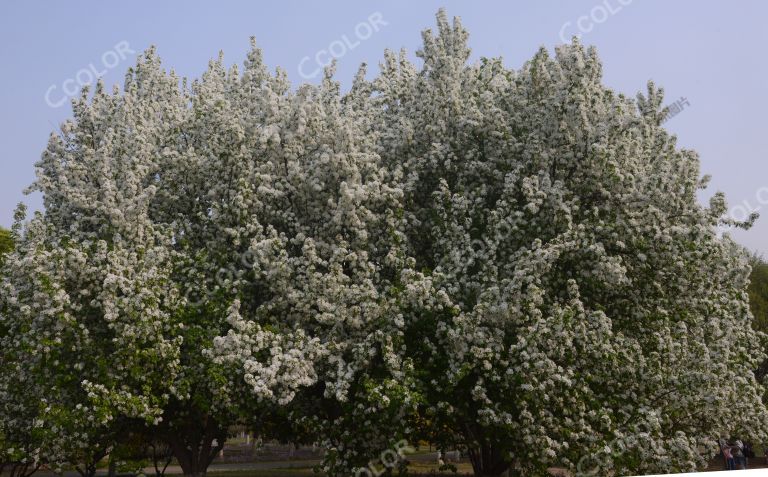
88, 470
24, 470
488, 461
164, 455
196, 448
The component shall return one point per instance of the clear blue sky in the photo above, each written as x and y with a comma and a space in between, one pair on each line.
711, 53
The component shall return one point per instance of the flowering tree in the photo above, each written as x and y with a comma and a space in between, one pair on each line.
581, 301
86, 299
305, 251
232, 208
513, 263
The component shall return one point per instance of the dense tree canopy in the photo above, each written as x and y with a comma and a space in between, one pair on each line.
511, 262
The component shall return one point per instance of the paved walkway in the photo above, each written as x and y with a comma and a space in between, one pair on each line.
216, 467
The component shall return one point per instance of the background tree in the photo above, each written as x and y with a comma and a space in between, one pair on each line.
758, 292
6, 243
758, 302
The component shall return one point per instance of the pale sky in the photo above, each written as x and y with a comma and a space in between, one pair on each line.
712, 54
